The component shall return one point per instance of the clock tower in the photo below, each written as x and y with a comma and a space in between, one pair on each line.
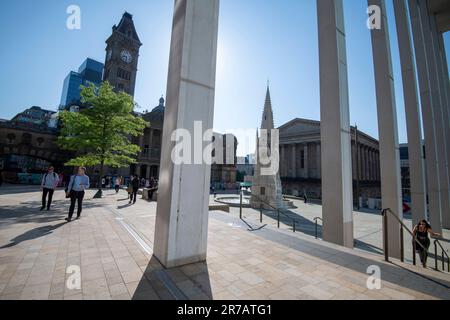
122, 54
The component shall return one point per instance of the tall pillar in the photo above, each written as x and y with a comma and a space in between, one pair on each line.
294, 162
414, 128
181, 229
282, 161
428, 116
446, 91
443, 90
337, 209
306, 168
438, 119
391, 194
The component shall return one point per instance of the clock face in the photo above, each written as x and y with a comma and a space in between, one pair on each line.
126, 57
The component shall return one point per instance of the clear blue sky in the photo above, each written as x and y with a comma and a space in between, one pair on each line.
259, 40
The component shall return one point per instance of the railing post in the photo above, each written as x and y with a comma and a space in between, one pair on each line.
278, 219
435, 256
414, 250
240, 205
294, 226
385, 232
316, 228
443, 260
260, 215
402, 245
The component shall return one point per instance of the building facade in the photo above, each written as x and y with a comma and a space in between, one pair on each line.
122, 55
28, 145
90, 71
300, 160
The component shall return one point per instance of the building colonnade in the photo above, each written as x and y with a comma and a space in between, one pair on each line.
182, 215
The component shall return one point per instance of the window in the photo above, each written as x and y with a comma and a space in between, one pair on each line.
263, 191
123, 74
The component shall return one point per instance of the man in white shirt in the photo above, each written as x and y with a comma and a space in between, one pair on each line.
49, 183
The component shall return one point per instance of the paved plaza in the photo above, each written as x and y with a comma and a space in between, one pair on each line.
113, 243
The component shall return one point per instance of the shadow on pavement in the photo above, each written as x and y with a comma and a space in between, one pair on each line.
32, 234
190, 282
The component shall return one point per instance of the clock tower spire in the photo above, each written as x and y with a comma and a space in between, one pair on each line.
122, 54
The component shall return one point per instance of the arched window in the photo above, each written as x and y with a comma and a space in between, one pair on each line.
11, 137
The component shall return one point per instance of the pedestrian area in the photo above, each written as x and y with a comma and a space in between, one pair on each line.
112, 247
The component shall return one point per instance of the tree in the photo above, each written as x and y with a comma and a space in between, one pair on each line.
100, 133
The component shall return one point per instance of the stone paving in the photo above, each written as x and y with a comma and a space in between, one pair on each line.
112, 245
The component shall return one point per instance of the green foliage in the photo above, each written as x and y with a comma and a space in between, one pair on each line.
100, 134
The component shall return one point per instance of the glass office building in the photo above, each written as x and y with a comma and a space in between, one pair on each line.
90, 71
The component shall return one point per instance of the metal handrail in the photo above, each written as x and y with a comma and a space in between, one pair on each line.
402, 227
316, 219
278, 210
436, 243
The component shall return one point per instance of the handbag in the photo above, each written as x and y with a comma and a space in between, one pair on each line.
69, 194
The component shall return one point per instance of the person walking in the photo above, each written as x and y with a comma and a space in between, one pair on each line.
118, 184
420, 232
49, 182
135, 183
76, 190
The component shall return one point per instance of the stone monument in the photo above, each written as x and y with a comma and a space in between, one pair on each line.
266, 189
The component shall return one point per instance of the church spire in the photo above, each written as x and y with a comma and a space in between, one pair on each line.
267, 120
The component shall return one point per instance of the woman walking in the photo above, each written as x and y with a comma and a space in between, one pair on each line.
76, 190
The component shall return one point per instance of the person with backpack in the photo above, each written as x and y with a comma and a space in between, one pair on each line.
49, 183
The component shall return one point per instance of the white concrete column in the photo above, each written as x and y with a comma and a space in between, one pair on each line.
181, 229
414, 127
438, 104
387, 126
446, 91
443, 90
428, 115
337, 193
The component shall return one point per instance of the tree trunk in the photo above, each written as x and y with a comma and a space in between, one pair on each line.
99, 193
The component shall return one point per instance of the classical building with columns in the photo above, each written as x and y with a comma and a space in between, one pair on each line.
300, 160
149, 159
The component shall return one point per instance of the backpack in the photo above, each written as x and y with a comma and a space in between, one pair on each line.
54, 176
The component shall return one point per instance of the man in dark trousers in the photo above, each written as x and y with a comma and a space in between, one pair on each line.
135, 185
49, 183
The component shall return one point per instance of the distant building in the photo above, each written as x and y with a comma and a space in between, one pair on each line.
28, 145
300, 160
35, 118
122, 55
404, 166
224, 170
246, 166
90, 71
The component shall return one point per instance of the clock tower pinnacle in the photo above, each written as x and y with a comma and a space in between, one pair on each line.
122, 54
